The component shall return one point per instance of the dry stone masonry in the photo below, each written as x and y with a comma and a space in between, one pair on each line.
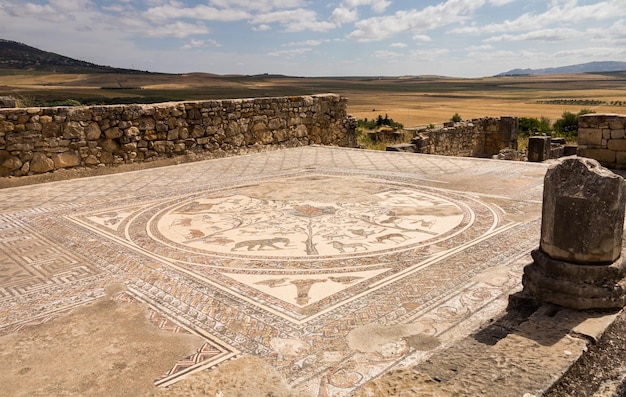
579, 263
483, 137
603, 137
37, 140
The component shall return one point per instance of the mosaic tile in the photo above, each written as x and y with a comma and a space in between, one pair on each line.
283, 254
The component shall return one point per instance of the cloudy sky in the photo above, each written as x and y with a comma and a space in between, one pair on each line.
464, 38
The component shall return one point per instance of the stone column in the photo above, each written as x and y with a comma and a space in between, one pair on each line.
579, 263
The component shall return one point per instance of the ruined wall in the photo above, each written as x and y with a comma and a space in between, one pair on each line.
37, 140
483, 137
602, 137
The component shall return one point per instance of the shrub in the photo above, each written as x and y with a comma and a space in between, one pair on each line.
567, 125
532, 125
456, 118
379, 122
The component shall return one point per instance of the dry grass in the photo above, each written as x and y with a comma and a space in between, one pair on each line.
412, 101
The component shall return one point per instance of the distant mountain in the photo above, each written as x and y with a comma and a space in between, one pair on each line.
590, 67
14, 55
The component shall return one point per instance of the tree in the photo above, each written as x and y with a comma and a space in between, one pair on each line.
456, 118
567, 125
533, 125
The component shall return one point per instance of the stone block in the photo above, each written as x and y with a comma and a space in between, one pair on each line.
617, 144
66, 159
604, 156
538, 148
617, 122
618, 134
583, 212
8, 163
620, 159
7, 102
589, 136
401, 147
570, 150
92, 132
73, 130
41, 163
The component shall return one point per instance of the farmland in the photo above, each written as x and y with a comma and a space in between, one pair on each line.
410, 100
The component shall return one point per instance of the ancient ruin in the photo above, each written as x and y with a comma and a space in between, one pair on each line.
311, 270
38, 140
603, 137
481, 137
579, 263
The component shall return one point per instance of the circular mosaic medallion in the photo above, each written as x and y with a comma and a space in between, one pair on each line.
310, 218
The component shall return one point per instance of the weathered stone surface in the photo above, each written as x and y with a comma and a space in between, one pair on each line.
483, 137
66, 159
41, 163
539, 148
73, 130
601, 137
583, 212
574, 285
579, 263
92, 132
7, 102
401, 147
168, 129
8, 163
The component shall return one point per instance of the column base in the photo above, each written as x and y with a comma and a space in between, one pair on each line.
576, 286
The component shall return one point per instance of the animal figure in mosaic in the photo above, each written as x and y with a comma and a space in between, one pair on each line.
262, 244
341, 247
392, 237
426, 224
195, 207
362, 232
185, 222
193, 234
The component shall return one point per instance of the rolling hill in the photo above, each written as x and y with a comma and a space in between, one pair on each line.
14, 55
590, 67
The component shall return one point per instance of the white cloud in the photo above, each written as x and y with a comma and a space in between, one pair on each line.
387, 54
484, 47
261, 28
538, 35
175, 11
294, 20
200, 44
560, 14
416, 21
398, 45
289, 53
377, 6
175, 29
343, 15
53, 11
309, 43
422, 38
258, 5
499, 3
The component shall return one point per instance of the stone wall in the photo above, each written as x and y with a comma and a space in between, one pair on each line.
37, 140
603, 137
484, 137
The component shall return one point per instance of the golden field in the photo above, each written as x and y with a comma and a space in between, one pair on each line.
410, 100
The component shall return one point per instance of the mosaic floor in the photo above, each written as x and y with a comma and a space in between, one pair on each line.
308, 258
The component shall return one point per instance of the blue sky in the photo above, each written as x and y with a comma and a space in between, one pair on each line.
463, 38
